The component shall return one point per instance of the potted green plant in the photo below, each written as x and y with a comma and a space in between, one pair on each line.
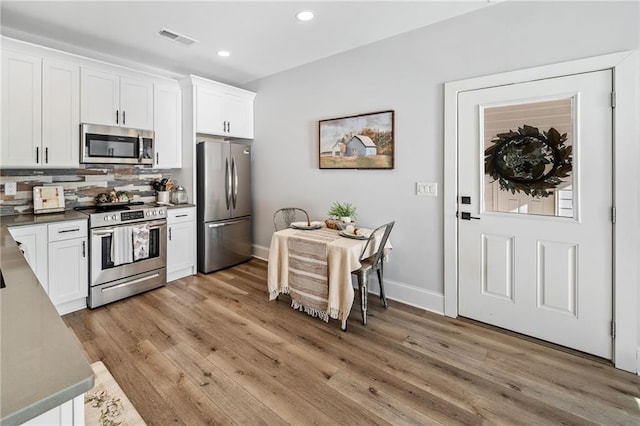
345, 211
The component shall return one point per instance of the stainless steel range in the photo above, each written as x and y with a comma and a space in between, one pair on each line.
111, 278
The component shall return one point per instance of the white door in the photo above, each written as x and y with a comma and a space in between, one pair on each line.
535, 203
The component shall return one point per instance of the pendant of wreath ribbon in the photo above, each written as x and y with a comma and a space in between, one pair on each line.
528, 161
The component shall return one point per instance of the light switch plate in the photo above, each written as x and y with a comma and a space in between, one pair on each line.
427, 188
10, 188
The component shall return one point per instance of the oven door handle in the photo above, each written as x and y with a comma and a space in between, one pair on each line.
104, 232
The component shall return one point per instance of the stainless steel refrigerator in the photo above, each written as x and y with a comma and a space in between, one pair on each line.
224, 204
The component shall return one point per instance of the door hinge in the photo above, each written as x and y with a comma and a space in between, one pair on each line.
613, 329
613, 99
613, 215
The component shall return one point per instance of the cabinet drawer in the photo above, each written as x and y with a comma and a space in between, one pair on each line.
181, 215
67, 230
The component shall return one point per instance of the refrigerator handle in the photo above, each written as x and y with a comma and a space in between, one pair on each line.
234, 171
227, 183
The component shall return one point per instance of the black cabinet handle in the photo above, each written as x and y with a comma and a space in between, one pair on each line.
84, 252
46, 155
37, 154
124, 117
69, 230
228, 127
169, 234
117, 116
157, 157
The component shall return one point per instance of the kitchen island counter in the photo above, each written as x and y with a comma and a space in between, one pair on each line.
41, 364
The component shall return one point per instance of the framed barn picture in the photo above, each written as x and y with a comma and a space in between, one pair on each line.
362, 141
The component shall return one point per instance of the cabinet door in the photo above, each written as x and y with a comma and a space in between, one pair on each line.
181, 249
60, 114
68, 270
239, 115
21, 110
136, 103
210, 111
34, 240
99, 97
167, 119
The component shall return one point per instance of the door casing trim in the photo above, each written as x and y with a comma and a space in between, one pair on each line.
626, 191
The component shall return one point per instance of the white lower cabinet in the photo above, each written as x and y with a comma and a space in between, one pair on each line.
181, 237
71, 413
59, 256
33, 243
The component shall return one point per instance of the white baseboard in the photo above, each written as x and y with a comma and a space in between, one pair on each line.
260, 252
410, 295
72, 306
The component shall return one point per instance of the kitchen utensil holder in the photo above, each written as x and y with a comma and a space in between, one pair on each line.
163, 196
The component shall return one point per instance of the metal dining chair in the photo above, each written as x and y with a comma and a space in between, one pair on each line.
284, 217
370, 264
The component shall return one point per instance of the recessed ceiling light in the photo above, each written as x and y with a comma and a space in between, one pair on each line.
305, 15
224, 53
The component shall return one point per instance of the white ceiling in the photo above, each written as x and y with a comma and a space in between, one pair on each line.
263, 36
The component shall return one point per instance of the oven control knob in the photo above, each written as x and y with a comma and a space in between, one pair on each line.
161, 212
155, 212
106, 218
148, 213
114, 217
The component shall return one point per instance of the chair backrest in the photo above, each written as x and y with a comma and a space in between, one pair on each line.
385, 230
283, 217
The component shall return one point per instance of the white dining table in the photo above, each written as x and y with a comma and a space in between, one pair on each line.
342, 257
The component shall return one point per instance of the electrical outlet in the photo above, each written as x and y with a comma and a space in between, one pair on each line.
427, 188
10, 188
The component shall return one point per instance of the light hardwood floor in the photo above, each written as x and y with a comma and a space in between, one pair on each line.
211, 349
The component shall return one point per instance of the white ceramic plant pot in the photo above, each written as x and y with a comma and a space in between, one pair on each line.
346, 219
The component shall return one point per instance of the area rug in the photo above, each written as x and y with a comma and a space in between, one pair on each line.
106, 404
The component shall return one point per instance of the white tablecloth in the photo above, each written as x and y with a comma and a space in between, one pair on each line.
343, 256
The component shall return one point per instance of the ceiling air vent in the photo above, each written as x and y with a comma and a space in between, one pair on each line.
178, 38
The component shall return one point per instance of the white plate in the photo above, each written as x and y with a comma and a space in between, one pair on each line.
304, 225
352, 235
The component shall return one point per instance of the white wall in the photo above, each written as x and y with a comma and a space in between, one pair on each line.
406, 73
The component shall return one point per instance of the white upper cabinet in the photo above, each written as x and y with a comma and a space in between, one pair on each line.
60, 113
239, 108
167, 120
210, 111
40, 112
112, 100
223, 110
21, 143
136, 102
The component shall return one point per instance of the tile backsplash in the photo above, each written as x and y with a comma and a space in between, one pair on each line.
80, 185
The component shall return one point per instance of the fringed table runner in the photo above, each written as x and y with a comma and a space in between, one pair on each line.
308, 272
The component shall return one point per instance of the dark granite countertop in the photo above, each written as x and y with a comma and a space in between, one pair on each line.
41, 364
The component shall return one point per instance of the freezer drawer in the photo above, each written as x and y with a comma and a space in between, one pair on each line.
223, 244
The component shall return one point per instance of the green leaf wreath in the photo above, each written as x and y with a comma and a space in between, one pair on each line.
528, 161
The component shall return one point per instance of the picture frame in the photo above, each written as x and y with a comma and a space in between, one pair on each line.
363, 141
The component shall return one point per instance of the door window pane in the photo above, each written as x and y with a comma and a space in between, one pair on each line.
528, 158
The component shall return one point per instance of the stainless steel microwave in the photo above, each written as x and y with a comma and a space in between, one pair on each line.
115, 145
